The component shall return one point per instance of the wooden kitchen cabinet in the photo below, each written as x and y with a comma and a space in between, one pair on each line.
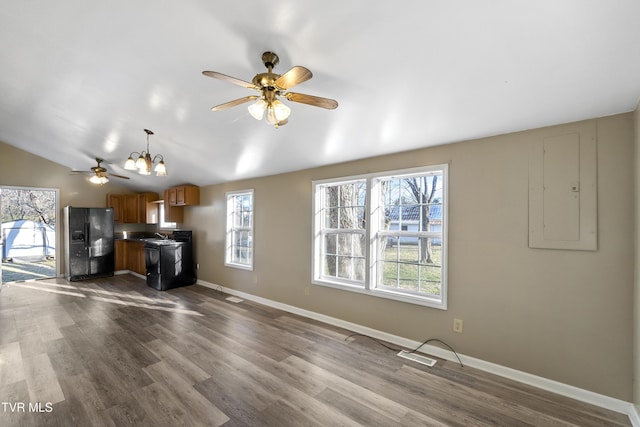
129, 255
120, 253
130, 209
172, 213
184, 195
134, 208
114, 201
135, 257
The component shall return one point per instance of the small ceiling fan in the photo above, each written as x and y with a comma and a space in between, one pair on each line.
272, 86
99, 174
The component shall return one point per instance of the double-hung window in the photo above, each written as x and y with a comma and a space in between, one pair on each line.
239, 247
341, 234
384, 234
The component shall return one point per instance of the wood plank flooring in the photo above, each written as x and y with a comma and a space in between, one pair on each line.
114, 352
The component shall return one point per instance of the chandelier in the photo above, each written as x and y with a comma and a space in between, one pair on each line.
145, 162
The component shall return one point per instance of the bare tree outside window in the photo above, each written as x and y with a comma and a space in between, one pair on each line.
33, 205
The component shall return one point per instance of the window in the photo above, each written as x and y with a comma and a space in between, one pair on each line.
384, 234
342, 234
164, 224
239, 248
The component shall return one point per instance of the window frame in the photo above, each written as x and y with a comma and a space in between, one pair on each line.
319, 203
231, 229
373, 205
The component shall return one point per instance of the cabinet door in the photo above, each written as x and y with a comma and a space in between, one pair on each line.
172, 196
152, 213
114, 201
185, 195
130, 210
120, 253
135, 257
180, 196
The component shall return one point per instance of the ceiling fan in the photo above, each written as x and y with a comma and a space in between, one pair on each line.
99, 174
272, 86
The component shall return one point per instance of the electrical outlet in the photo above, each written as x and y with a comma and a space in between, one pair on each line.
457, 325
197, 266
307, 290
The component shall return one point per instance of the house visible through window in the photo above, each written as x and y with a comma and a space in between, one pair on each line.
384, 234
239, 246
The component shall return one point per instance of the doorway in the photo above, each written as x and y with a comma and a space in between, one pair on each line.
28, 233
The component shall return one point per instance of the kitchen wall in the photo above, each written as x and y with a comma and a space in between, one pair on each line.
563, 315
22, 169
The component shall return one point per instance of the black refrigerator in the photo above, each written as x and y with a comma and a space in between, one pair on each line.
88, 243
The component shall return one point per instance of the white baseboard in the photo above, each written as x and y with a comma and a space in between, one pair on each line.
572, 392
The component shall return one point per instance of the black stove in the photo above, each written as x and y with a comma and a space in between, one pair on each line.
169, 262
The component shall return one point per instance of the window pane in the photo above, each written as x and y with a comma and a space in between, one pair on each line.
331, 218
330, 265
351, 268
331, 244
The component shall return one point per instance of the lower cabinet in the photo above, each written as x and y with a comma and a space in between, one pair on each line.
135, 257
129, 255
120, 252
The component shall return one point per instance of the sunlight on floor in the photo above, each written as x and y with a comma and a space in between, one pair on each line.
82, 292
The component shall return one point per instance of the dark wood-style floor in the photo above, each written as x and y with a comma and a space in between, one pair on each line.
115, 352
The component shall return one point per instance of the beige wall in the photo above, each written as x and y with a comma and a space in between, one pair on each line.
21, 169
562, 315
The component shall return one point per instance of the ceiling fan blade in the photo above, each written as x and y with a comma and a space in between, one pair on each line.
234, 103
117, 176
316, 101
230, 79
293, 77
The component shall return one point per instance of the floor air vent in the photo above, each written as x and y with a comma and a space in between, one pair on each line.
417, 358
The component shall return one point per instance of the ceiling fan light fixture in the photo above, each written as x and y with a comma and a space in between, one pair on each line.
98, 179
257, 109
271, 86
281, 111
144, 163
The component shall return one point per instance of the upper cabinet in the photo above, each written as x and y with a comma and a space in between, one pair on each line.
134, 208
114, 201
172, 213
184, 195
130, 209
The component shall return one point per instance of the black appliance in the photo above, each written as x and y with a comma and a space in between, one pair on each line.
88, 243
169, 262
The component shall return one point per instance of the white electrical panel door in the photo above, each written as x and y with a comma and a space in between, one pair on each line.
562, 192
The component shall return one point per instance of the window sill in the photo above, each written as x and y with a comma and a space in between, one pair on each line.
380, 293
239, 266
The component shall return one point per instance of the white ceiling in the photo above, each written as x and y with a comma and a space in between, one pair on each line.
80, 79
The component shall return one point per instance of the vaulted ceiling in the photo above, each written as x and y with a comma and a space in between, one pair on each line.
80, 80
